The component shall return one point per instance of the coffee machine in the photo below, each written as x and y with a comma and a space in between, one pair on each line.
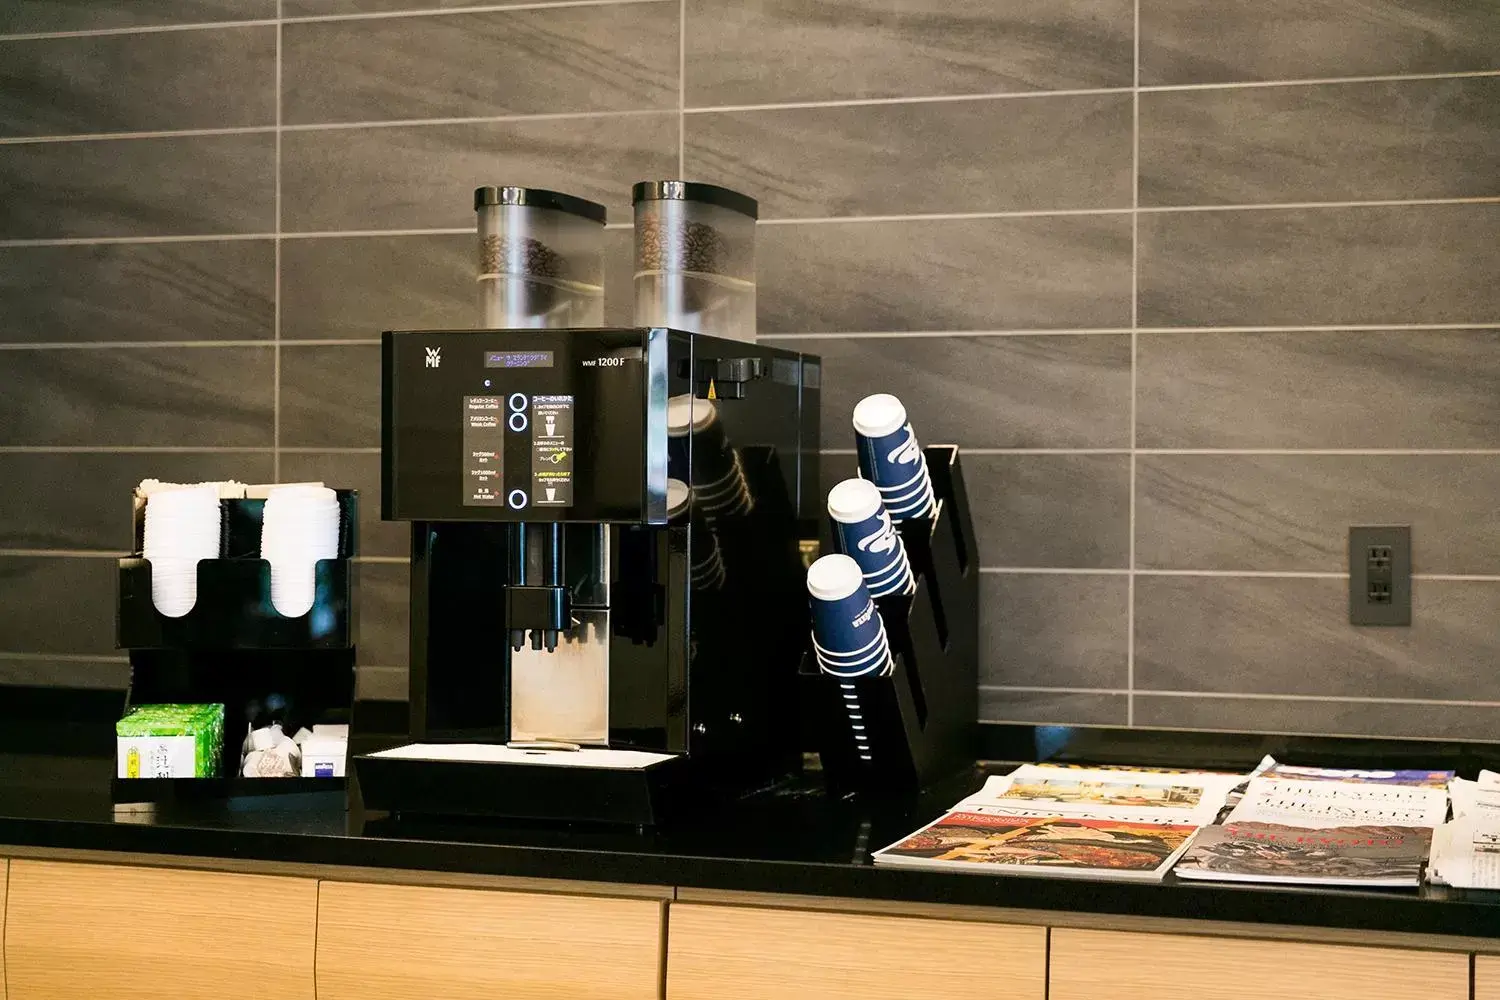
607, 602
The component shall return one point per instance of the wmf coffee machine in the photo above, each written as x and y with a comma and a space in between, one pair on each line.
607, 609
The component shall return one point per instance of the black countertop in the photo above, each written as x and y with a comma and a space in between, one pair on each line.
795, 841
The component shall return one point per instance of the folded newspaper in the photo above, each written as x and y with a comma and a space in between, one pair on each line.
1113, 823
1466, 851
1304, 826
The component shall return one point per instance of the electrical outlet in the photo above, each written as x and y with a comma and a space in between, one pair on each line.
1380, 575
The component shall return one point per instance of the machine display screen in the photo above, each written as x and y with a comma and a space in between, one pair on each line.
518, 359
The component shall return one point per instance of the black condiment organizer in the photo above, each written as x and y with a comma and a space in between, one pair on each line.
920, 721
234, 647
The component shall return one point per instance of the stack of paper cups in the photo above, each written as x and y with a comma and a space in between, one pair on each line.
300, 526
865, 534
890, 457
696, 440
708, 561
848, 634
182, 526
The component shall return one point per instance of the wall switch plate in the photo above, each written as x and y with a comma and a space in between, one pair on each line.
1380, 575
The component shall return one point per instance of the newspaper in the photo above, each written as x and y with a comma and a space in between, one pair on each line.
1466, 851
1114, 823
1321, 829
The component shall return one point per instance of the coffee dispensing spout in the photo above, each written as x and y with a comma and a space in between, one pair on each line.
537, 606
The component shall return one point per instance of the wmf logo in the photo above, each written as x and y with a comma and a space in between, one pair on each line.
434, 357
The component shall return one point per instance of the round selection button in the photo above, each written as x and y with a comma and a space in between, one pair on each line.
516, 499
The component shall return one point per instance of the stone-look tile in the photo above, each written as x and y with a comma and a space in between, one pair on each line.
1052, 708
200, 184
982, 392
952, 156
1334, 142
1204, 41
381, 683
557, 59
81, 501
770, 51
58, 605
342, 470
1070, 511
1049, 511
1293, 637
138, 292
1293, 512
215, 78
353, 288
1053, 630
384, 590
189, 397
22, 16
1319, 718
104, 673
1055, 273
423, 176
1319, 390
330, 396
1320, 266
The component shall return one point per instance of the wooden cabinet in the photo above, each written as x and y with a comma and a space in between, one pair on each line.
4, 873
1487, 977
1087, 964
746, 953
81, 930
398, 942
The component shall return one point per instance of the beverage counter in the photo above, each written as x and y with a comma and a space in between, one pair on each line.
775, 898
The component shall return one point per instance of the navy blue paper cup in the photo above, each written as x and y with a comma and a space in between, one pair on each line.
844, 619
864, 532
889, 455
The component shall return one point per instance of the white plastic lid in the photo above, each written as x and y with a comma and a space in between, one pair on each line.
833, 578
677, 495
879, 415
853, 500
687, 411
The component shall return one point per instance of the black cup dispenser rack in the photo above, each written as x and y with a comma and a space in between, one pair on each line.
234, 648
919, 721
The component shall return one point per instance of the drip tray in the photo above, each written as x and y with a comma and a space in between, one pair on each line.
593, 784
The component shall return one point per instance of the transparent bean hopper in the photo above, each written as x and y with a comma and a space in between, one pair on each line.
541, 259
695, 259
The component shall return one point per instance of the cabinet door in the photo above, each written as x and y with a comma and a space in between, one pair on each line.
1129, 966
4, 873
717, 952
77, 930
401, 942
1487, 977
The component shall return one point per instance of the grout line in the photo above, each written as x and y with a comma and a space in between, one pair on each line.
1244, 696
276, 288
1254, 574
90, 241
1028, 213
143, 29
61, 554
383, 560
66, 657
1322, 452
918, 334
1052, 571
1457, 577
1366, 203
1135, 319
865, 102
1320, 81
541, 116
183, 133
127, 345
308, 450
341, 234
681, 88
1156, 330
486, 8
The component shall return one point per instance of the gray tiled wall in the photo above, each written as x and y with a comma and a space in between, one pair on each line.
1197, 284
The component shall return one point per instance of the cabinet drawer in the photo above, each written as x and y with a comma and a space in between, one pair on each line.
401, 942
1130, 966
76, 930
1487, 977
746, 953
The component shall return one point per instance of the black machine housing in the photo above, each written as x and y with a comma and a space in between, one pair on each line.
706, 606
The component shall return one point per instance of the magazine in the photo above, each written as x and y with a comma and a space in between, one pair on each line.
1271, 768
1322, 831
1466, 851
1347, 855
1069, 822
